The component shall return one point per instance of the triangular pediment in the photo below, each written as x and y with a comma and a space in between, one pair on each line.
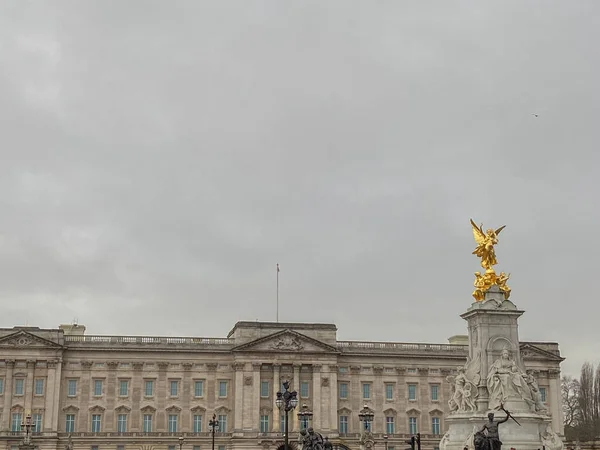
531, 351
22, 338
286, 341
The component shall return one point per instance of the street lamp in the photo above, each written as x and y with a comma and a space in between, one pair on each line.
181, 441
366, 415
385, 438
27, 425
287, 401
214, 426
304, 415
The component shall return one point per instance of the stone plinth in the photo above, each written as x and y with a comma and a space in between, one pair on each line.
495, 375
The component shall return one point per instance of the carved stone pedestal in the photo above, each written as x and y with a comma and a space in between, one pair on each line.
494, 376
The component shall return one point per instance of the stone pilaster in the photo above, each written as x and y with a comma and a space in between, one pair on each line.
333, 396
317, 419
276, 387
255, 398
554, 400
29, 385
355, 395
137, 388
112, 391
8, 392
85, 392
161, 396
378, 398
239, 392
295, 422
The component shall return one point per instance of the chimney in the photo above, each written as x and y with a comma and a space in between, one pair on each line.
73, 329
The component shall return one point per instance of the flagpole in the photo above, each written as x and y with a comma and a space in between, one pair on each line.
278, 293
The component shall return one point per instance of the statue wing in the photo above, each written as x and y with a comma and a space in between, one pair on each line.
478, 233
500, 229
473, 368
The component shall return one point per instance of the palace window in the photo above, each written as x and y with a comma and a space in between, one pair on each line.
435, 425
434, 392
123, 388
197, 425
222, 423
264, 423
412, 425
37, 423
148, 388
222, 389
97, 388
389, 391
19, 386
174, 388
1, 386
343, 425
366, 389
343, 388
122, 423
70, 423
390, 425
198, 388
173, 423
304, 389
543, 394
39, 386
71, 388
96, 423
16, 421
412, 391
264, 389
147, 423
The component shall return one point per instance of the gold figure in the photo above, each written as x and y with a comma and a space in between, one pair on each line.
485, 244
485, 251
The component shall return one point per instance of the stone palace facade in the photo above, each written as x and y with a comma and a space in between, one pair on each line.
143, 393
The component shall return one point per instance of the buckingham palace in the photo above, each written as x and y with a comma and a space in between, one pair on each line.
97, 392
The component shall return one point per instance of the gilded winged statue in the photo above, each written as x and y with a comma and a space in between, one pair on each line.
485, 244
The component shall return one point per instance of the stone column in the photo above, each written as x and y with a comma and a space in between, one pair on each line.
8, 392
333, 397
378, 399
137, 387
238, 390
276, 387
256, 397
53, 394
161, 396
317, 419
401, 401
295, 422
29, 385
211, 385
555, 403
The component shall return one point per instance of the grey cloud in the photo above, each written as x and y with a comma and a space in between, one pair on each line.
159, 159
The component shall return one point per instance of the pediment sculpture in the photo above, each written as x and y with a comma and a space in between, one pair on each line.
287, 342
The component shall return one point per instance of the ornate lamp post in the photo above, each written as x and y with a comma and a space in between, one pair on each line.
181, 441
366, 415
213, 424
287, 401
385, 439
27, 425
304, 415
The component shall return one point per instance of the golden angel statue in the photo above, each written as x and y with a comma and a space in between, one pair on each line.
485, 244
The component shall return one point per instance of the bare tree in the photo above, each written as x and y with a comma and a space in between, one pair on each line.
570, 401
589, 402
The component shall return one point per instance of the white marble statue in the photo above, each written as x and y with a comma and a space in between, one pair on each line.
551, 440
505, 380
445, 441
535, 393
464, 385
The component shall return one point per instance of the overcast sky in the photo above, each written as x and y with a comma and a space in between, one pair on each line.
158, 159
